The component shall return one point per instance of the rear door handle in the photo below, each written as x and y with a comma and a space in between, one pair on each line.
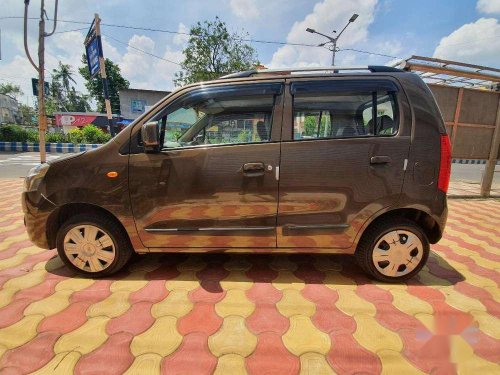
380, 160
254, 169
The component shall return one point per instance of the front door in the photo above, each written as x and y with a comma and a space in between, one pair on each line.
213, 184
339, 166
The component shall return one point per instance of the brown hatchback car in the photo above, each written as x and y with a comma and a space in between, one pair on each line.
346, 161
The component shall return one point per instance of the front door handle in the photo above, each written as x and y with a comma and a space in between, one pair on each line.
380, 160
254, 169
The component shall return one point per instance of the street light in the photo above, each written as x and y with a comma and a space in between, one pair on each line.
332, 39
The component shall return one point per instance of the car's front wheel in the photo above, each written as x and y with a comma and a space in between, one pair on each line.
93, 245
393, 251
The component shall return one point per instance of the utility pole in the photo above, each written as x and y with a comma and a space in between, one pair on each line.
333, 40
42, 117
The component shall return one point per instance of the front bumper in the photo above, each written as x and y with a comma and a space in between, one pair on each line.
37, 210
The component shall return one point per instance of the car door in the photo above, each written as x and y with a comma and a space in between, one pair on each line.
339, 166
212, 184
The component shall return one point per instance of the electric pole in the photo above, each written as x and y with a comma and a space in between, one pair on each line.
40, 68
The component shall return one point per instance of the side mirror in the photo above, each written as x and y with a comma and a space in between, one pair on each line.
150, 137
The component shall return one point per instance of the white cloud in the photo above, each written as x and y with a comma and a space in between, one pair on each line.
476, 43
488, 6
246, 9
181, 39
325, 15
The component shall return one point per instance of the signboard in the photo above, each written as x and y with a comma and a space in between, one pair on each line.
92, 50
74, 119
137, 106
34, 86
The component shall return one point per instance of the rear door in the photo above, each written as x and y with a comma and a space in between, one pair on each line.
343, 157
213, 183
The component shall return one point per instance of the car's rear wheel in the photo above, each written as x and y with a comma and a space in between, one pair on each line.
393, 251
93, 245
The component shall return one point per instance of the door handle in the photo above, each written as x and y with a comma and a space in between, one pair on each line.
253, 169
380, 160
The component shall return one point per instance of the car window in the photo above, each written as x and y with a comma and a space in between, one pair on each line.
344, 115
220, 119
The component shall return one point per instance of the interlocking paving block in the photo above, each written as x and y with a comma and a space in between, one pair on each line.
252, 314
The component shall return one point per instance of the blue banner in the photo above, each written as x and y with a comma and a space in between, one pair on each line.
92, 50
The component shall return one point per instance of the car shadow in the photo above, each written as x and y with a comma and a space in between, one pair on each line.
208, 269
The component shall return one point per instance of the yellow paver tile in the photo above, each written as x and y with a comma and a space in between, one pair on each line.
467, 362
74, 284
20, 332
176, 304
114, 305
161, 338
350, 303
394, 363
409, 304
51, 305
293, 303
91, 335
232, 338
375, 337
488, 323
148, 363
231, 364
235, 303
314, 364
302, 337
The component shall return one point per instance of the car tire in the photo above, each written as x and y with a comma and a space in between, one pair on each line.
107, 254
393, 251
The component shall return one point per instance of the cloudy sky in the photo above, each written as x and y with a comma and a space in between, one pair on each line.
464, 30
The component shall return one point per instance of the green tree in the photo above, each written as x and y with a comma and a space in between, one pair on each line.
64, 76
212, 51
63, 95
29, 114
116, 82
11, 89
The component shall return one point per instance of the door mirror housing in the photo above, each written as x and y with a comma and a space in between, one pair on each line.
150, 137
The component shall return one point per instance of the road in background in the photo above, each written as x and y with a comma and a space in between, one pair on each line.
17, 164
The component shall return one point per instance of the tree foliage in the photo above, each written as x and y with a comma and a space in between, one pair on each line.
63, 95
212, 51
11, 90
116, 82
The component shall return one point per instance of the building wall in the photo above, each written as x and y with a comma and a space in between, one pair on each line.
134, 102
9, 110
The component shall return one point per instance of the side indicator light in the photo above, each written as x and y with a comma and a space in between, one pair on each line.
112, 174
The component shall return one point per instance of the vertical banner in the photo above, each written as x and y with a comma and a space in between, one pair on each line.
96, 64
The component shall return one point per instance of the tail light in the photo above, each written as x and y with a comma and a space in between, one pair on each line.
445, 164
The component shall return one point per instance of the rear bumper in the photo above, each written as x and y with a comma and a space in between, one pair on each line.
36, 210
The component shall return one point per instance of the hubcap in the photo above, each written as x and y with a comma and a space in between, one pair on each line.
89, 248
397, 253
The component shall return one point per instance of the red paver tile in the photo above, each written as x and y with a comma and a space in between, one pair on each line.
30, 356
153, 292
348, 357
271, 357
193, 356
202, 318
113, 357
134, 321
66, 320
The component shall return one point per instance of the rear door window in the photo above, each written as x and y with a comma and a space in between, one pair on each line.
339, 110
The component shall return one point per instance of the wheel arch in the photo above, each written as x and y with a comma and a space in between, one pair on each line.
65, 212
424, 220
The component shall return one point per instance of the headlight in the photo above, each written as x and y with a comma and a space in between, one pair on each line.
35, 176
